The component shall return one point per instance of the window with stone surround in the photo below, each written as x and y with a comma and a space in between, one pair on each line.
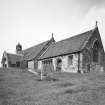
96, 47
47, 61
70, 59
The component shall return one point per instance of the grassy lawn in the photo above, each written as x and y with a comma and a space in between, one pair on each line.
19, 87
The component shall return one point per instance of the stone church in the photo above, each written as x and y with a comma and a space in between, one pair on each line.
81, 53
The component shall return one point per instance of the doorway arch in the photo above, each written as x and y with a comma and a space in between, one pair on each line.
58, 64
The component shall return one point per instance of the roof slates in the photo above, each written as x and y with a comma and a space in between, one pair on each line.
69, 45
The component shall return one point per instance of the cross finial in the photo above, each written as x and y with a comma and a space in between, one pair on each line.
96, 23
52, 35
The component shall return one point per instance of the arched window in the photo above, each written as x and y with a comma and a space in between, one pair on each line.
96, 47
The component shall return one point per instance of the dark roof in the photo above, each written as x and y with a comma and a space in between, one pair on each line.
70, 45
13, 58
32, 52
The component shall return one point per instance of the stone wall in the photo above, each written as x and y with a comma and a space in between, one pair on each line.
54, 63
86, 60
72, 67
40, 66
65, 63
65, 66
5, 62
31, 64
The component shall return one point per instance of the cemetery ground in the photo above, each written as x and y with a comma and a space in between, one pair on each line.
21, 87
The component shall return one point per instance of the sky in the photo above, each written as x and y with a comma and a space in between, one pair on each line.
31, 22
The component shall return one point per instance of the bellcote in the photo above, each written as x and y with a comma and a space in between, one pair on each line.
18, 48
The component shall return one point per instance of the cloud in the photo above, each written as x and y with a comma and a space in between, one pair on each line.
86, 5
90, 18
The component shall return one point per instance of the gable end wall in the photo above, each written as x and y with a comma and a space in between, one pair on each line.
88, 52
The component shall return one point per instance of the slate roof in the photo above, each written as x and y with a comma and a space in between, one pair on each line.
32, 52
13, 58
69, 45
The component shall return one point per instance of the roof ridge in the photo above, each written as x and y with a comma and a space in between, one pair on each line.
14, 54
75, 35
47, 42
34, 45
47, 49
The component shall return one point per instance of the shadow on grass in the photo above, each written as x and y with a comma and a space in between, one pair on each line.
75, 91
48, 78
64, 85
